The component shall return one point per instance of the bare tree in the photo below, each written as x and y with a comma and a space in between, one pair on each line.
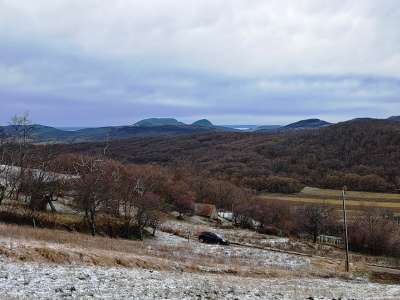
2, 192
3, 136
374, 230
90, 188
3, 169
148, 207
21, 135
140, 205
182, 197
314, 219
22, 127
129, 187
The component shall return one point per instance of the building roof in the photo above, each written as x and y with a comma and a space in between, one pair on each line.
205, 210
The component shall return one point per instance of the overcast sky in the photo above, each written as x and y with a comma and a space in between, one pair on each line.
93, 62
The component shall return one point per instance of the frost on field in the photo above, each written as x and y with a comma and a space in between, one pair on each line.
44, 281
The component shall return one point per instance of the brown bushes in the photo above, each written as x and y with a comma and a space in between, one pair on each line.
357, 182
376, 233
274, 184
372, 231
365, 147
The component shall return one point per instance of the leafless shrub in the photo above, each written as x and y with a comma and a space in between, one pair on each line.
375, 232
315, 219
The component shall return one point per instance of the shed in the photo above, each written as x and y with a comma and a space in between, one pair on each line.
205, 210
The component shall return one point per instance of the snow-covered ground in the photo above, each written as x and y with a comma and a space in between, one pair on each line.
237, 255
45, 281
169, 266
232, 234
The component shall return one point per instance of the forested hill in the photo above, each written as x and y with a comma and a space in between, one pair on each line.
363, 154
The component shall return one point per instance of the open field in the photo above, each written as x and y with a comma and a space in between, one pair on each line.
354, 195
44, 281
333, 197
43, 264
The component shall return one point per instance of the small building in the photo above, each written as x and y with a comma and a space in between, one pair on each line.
227, 215
331, 240
205, 210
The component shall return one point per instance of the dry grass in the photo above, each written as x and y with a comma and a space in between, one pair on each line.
71, 238
24, 243
355, 195
333, 197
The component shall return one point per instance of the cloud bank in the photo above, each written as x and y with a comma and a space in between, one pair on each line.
91, 62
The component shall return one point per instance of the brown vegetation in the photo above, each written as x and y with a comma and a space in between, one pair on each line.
224, 169
363, 155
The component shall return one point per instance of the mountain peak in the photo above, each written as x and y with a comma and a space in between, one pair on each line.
394, 118
203, 123
308, 123
151, 122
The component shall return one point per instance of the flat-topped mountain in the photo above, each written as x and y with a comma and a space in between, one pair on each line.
151, 122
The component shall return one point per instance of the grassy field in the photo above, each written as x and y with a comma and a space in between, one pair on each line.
333, 197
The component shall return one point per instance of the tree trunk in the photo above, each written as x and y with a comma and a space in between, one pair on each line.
2, 193
141, 233
50, 201
315, 237
93, 222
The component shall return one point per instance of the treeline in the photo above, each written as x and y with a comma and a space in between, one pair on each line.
133, 197
363, 154
131, 184
372, 230
129, 199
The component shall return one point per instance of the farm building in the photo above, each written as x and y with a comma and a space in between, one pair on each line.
331, 240
227, 215
206, 210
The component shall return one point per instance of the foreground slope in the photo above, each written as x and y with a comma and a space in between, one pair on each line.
52, 264
42, 281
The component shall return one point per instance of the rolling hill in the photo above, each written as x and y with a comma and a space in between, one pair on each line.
306, 124
364, 155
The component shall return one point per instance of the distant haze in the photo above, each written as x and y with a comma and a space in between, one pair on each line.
97, 63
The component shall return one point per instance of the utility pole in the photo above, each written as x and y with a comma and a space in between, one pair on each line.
346, 240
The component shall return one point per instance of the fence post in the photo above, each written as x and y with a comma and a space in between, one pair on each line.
346, 241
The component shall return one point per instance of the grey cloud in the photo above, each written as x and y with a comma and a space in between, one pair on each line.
96, 63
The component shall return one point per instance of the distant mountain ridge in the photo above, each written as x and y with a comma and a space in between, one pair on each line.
306, 124
154, 127
394, 118
267, 128
299, 125
151, 127
151, 122
203, 122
